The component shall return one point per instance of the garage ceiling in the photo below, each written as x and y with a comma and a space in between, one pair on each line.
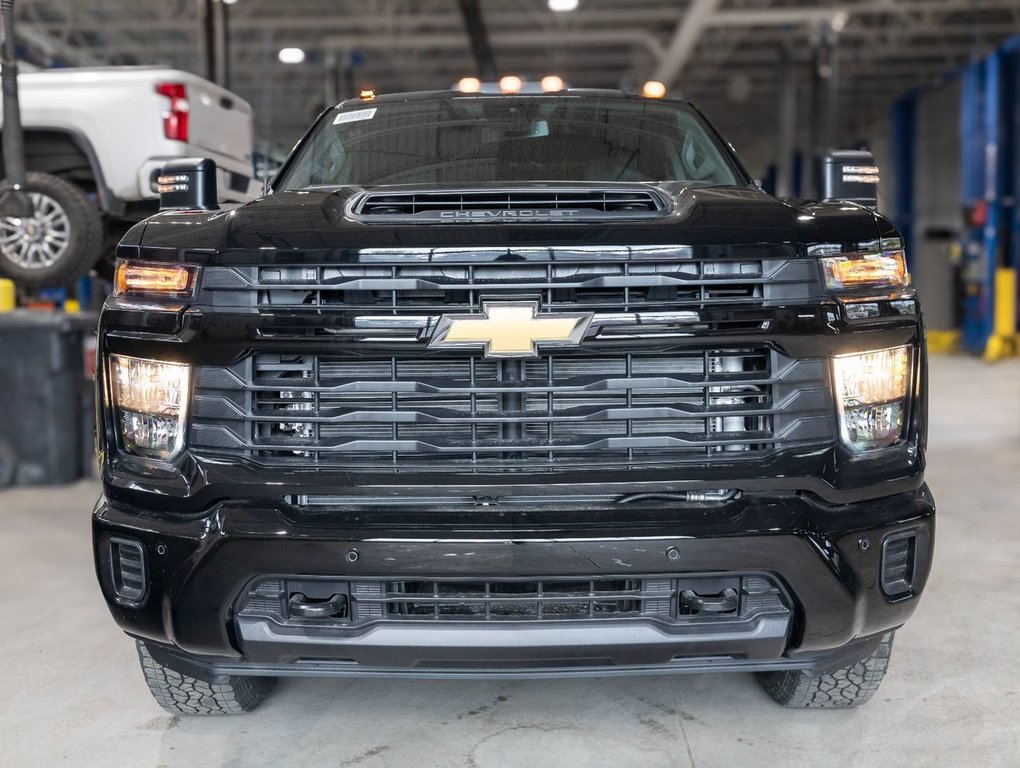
722, 54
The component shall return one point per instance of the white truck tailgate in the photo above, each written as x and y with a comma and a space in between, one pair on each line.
219, 121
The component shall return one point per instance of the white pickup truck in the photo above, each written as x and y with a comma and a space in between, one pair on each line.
104, 134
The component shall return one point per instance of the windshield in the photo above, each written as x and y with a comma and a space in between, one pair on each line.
481, 140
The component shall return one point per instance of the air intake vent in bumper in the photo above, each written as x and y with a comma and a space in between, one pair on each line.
531, 204
898, 564
545, 600
127, 568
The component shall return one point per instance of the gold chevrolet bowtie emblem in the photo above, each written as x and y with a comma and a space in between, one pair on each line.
510, 329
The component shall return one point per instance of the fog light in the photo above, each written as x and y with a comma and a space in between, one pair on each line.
871, 396
150, 399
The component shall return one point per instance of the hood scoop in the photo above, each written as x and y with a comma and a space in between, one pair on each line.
530, 204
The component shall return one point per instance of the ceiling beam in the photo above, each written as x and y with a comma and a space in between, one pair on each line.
685, 38
538, 38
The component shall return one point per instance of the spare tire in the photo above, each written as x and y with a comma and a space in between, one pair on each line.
59, 243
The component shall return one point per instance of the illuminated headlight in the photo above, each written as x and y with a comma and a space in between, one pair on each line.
871, 393
135, 279
865, 270
150, 400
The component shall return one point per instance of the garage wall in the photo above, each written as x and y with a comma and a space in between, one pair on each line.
937, 205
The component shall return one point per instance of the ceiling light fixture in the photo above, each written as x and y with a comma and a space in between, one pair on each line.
561, 6
291, 55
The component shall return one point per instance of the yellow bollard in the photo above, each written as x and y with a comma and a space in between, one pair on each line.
8, 297
1003, 341
942, 342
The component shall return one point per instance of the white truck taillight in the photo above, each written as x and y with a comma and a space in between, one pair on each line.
175, 118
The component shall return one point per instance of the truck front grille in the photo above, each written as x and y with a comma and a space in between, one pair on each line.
463, 413
343, 376
415, 283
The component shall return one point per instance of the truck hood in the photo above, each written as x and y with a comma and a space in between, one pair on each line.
316, 220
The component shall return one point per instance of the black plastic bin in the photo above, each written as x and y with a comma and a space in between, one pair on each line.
46, 407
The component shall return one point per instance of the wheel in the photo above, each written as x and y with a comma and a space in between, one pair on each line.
180, 693
57, 245
846, 687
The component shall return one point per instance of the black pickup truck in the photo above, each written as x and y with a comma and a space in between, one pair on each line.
512, 386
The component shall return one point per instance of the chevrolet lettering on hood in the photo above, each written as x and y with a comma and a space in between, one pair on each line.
497, 215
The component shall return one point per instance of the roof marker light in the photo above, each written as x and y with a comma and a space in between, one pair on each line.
469, 85
511, 84
552, 83
653, 89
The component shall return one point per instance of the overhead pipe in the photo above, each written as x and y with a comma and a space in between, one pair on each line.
787, 108
685, 38
14, 201
478, 36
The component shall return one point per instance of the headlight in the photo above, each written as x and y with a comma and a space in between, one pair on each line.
175, 280
871, 395
862, 270
875, 264
150, 401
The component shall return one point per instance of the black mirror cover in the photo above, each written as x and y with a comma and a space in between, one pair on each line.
850, 175
188, 184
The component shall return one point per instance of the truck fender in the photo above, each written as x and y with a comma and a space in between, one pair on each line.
108, 202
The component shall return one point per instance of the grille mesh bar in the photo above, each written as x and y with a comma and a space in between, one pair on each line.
436, 280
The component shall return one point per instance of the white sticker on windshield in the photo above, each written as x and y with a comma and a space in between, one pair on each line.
357, 114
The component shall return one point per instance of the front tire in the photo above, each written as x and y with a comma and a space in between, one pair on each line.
846, 687
182, 694
59, 243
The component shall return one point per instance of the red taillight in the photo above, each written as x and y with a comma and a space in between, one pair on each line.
175, 119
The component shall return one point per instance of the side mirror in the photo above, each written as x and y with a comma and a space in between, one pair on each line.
188, 184
850, 175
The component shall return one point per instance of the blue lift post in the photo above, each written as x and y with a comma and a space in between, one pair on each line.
990, 114
904, 137
978, 275
1011, 163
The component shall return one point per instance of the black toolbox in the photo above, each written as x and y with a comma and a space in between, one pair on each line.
47, 423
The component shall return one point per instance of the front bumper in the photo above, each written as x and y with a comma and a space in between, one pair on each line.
826, 559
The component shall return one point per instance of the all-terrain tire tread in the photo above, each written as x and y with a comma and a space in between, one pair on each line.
847, 687
182, 694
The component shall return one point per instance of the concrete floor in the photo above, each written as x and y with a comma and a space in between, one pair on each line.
72, 693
